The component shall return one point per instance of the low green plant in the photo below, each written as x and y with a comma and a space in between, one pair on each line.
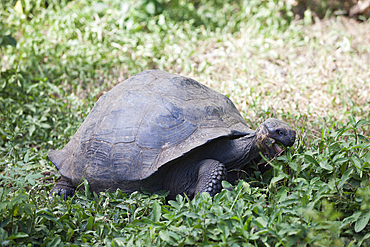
6, 37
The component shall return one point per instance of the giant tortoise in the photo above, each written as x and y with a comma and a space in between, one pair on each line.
161, 131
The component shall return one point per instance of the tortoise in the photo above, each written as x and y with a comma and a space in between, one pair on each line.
161, 131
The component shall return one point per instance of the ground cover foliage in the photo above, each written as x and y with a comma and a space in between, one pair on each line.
58, 57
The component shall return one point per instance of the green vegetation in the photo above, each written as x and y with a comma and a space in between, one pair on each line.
59, 56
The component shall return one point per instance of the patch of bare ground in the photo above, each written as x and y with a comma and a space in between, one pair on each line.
318, 71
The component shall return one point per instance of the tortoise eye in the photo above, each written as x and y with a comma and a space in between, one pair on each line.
281, 132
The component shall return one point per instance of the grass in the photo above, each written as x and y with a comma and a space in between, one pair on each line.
313, 75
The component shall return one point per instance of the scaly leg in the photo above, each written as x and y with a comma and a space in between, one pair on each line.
210, 175
63, 187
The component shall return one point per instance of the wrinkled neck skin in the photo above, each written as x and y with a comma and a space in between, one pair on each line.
240, 152
261, 135
235, 154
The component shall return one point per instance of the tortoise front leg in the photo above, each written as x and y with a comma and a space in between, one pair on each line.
63, 187
210, 175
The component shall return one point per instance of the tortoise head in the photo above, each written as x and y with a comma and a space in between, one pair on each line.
273, 132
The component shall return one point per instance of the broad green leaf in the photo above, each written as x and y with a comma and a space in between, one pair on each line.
366, 158
262, 221
3, 206
161, 20
5, 221
48, 216
226, 185
174, 235
26, 157
341, 132
174, 204
32, 108
324, 164
300, 180
366, 237
30, 180
55, 242
54, 89
18, 7
165, 236
7, 40
29, 89
45, 126
288, 202
362, 122
310, 159
144, 221
282, 194
354, 217
150, 7
235, 218
192, 215
3, 234
307, 17
352, 120
276, 179
247, 187
356, 161
100, 7
119, 242
28, 207
225, 230
362, 221
294, 165
18, 235
156, 211
27, 6
90, 223
31, 129
345, 178
340, 160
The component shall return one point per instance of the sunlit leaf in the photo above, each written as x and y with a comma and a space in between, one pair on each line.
156, 211
362, 221
362, 122
325, 165
31, 129
18, 235
18, 7
150, 7
310, 159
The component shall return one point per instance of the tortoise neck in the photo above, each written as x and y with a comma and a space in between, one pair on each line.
244, 151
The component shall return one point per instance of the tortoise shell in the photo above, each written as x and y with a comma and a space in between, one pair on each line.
142, 124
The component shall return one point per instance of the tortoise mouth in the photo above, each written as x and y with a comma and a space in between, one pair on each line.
274, 148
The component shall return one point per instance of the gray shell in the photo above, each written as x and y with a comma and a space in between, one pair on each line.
142, 124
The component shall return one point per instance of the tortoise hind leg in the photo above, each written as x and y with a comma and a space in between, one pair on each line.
210, 175
63, 187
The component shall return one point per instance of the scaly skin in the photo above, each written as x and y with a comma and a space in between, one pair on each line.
274, 131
